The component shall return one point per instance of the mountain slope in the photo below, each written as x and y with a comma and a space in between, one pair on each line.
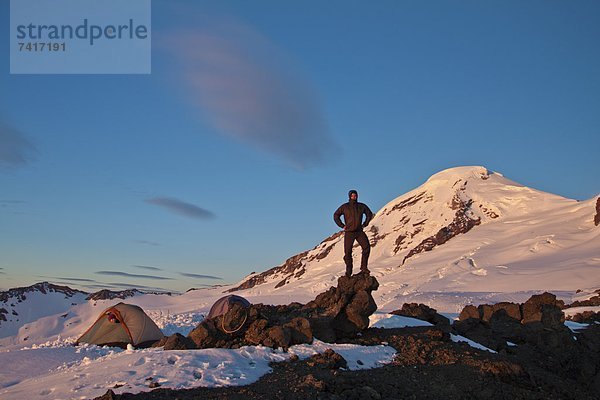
20, 306
46, 304
466, 234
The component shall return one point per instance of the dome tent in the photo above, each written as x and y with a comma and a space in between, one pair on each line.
223, 306
120, 325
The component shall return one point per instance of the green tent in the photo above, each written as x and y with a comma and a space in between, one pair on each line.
120, 325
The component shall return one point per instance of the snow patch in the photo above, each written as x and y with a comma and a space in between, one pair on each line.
458, 338
134, 370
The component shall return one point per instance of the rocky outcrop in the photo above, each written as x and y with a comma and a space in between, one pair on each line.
424, 313
340, 312
428, 365
597, 216
175, 342
591, 302
539, 338
329, 359
586, 317
407, 203
348, 305
539, 321
106, 294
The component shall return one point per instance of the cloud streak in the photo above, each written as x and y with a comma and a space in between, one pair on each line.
181, 207
7, 203
198, 276
128, 275
68, 279
148, 242
147, 267
249, 90
15, 149
122, 286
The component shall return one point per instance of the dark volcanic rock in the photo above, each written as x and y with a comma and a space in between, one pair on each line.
428, 366
597, 216
469, 312
328, 359
175, 342
591, 302
462, 223
538, 321
586, 317
340, 312
106, 294
424, 313
512, 310
543, 342
350, 304
532, 308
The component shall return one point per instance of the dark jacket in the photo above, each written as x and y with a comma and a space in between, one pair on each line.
352, 212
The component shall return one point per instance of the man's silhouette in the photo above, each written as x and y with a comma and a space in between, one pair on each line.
353, 229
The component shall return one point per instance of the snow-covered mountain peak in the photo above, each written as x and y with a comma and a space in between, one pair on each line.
461, 173
466, 229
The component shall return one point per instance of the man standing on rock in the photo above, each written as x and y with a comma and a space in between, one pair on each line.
353, 230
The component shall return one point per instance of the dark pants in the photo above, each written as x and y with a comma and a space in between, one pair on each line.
361, 238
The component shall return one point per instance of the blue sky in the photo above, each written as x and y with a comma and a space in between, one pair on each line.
259, 116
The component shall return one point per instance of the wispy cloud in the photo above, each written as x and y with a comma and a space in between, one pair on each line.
148, 242
147, 267
198, 276
250, 89
128, 275
68, 279
122, 286
9, 203
136, 286
15, 149
12, 206
181, 207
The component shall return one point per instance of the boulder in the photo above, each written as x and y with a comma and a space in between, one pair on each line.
175, 342
505, 327
532, 308
469, 312
586, 317
205, 335
329, 359
424, 313
485, 312
539, 321
591, 302
349, 304
300, 330
512, 310
340, 312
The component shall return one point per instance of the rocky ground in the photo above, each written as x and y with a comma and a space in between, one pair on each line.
547, 362
428, 366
